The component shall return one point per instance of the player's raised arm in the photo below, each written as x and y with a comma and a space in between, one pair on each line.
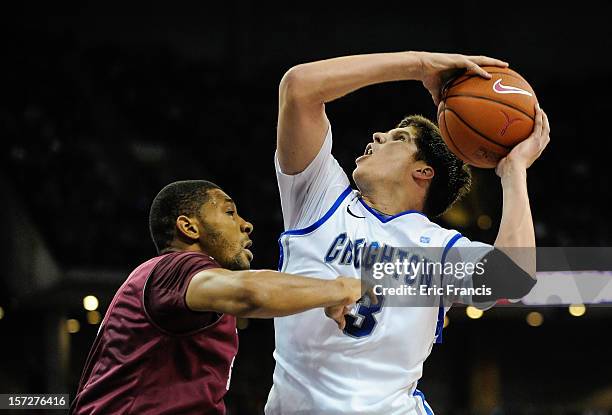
306, 88
266, 294
516, 227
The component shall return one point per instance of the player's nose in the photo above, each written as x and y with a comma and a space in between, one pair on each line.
246, 227
379, 138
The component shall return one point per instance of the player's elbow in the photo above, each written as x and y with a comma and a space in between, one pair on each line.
251, 299
297, 85
504, 277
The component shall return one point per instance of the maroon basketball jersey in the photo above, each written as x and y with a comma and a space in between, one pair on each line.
152, 354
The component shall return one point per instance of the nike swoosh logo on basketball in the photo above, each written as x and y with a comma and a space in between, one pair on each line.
504, 89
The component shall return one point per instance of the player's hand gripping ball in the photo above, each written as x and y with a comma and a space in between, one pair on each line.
481, 120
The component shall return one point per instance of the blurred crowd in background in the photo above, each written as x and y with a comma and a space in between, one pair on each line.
97, 114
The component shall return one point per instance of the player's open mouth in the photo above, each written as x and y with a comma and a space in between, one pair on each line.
369, 150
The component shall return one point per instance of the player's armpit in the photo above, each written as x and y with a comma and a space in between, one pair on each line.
503, 276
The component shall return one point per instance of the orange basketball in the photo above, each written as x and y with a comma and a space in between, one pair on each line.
482, 119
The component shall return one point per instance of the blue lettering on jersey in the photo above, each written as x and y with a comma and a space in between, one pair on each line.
344, 251
358, 248
363, 322
347, 255
336, 246
370, 257
387, 254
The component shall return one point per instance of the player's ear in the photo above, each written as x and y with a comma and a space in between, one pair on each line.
187, 227
423, 172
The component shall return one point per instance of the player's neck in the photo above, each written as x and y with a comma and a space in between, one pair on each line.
391, 203
180, 246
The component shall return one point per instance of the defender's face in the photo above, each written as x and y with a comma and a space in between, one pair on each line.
225, 234
388, 158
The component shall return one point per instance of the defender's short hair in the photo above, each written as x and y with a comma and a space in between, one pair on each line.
452, 179
176, 199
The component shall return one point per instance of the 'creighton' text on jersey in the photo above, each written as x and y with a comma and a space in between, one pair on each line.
374, 364
362, 254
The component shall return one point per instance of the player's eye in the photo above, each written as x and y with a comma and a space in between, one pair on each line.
230, 212
400, 137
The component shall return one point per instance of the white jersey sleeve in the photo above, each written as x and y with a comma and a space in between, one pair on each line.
465, 256
306, 196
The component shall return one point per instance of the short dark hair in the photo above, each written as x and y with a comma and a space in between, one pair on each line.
452, 178
176, 199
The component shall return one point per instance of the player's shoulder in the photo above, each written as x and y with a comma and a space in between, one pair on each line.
186, 258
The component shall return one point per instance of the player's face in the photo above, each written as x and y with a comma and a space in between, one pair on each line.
387, 159
225, 234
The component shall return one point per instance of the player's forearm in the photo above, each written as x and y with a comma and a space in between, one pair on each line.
326, 80
276, 294
265, 294
516, 236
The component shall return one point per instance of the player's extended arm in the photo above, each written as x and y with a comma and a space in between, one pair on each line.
266, 294
306, 88
516, 227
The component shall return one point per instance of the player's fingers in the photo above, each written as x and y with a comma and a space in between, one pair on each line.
435, 95
545, 138
373, 297
537, 128
487, 61
341, 322
474, 68
500, 166
546, 125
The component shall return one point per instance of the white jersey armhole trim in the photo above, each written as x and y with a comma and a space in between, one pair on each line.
313, 227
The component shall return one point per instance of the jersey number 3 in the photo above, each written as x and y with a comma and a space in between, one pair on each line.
363, 321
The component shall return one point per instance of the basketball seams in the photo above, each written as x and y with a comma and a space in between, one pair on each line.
450, 137
492, 100
446, 108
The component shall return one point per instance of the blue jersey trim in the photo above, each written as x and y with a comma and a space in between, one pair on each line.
440, 324
449, 245
321, 221
418, 393
385, 219
312, 227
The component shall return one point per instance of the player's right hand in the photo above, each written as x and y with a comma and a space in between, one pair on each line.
354, 291
527, 151
439, 68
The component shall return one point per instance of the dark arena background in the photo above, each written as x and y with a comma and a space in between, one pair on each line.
100, 109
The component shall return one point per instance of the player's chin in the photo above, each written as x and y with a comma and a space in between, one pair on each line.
243, 260
360, 173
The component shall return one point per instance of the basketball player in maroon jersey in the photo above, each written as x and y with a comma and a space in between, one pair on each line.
168, 340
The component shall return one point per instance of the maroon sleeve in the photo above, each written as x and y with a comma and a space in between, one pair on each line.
165, 290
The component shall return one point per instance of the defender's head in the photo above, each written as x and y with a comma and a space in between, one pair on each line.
414, 157
197, 215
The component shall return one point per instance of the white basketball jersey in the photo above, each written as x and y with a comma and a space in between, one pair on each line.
372, 367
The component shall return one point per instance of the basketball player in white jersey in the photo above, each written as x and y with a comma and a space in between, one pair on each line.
405, 177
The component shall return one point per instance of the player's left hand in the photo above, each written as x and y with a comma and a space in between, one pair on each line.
337, 314
438, 68
527, 151
339, 311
